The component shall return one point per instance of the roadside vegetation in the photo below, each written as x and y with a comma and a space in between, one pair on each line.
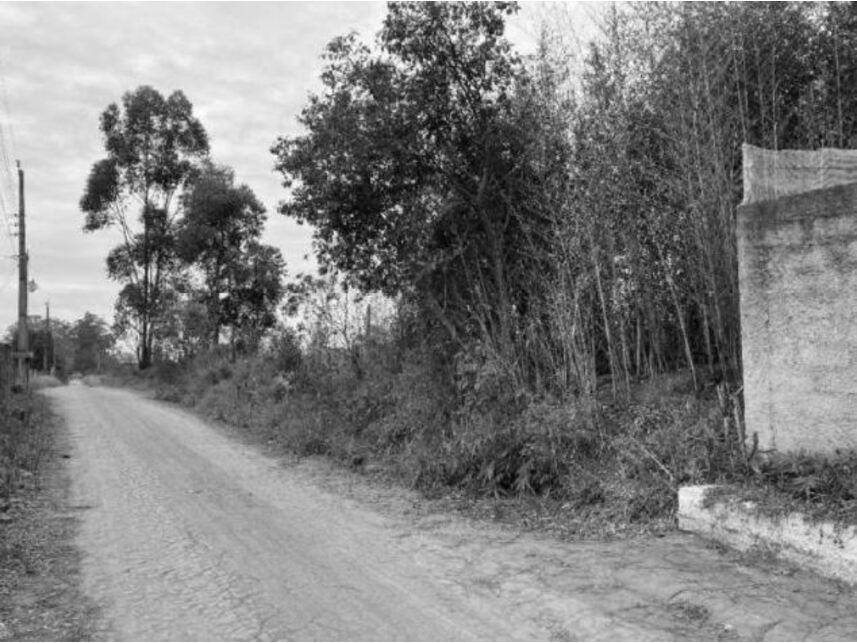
528, 273
40, 595
819, 488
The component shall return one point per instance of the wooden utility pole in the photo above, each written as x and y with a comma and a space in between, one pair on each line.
48, 352
23, 335
7, 373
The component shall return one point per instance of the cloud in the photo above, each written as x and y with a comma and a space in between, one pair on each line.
15, 15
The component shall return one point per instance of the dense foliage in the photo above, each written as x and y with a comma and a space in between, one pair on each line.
220, 235
417, 170
568, 226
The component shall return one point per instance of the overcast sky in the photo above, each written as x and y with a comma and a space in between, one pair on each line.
246, 67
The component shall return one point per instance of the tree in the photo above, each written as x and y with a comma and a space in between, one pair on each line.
251, 304
570, 235
221, 227
668, 94
415, 167
152, 145
91, 339
185, 329
331, 316
51, 349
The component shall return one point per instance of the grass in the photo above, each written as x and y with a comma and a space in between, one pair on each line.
40, 597
818, 487
576, 468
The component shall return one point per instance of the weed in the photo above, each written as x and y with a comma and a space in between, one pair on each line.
691, 612
40, 596
469, 424
819, 487
22, 449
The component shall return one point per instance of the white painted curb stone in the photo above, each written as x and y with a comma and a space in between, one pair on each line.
823, 547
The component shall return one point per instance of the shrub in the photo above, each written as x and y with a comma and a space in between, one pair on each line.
468, 423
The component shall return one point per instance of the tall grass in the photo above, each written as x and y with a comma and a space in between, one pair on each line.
468, 426
24, 440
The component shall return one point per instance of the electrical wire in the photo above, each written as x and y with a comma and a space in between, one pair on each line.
7, 145
7, 186
8, 281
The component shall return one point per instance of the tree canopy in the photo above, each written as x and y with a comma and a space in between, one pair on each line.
573, 222
219, 236
153, 145
414, 167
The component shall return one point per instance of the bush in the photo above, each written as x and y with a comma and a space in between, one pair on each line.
468, 423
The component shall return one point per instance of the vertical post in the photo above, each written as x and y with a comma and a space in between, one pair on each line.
368, 321
48, 339
6, 373
23, 335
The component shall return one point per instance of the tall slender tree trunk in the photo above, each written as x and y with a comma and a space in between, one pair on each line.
611, 357
145, 330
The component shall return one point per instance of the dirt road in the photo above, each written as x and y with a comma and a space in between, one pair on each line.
188, 534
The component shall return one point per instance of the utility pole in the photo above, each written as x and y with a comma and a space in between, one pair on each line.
23, 335
49, 347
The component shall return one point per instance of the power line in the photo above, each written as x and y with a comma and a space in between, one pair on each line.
4, 99
8, 225
8, 281
4, 143
7, 218
7, 188
4, 103
7, 151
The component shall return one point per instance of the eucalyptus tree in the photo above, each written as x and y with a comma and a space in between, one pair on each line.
152, 145
220, 237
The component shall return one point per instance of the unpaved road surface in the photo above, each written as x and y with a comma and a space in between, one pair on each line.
188, 534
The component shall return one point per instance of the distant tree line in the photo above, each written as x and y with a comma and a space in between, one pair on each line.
60, 347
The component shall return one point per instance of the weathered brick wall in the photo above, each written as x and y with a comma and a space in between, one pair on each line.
798, 283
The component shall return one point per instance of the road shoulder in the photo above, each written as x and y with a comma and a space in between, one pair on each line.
40, 566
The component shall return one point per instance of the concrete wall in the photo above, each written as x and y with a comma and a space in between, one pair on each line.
798, 282
772, 174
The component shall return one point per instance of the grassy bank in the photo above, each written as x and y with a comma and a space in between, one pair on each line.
607, 465
40, 597
601, 466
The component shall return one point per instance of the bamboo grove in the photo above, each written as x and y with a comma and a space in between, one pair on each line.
564, 218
